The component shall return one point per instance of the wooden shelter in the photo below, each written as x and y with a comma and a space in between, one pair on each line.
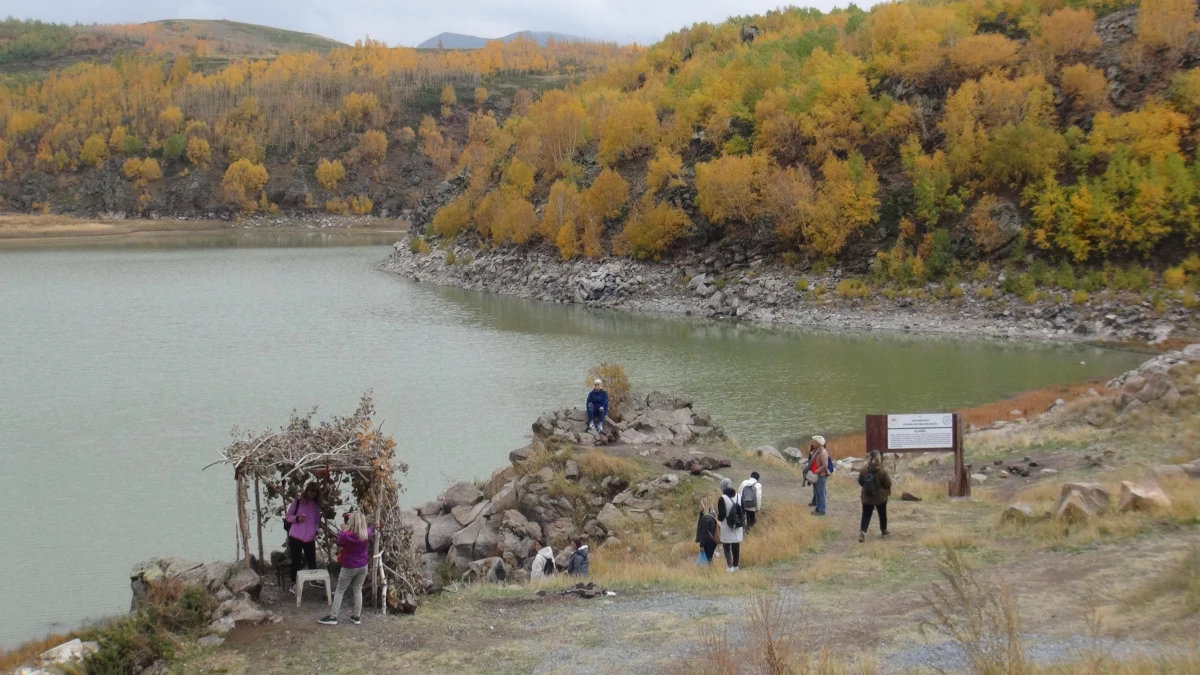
353, 464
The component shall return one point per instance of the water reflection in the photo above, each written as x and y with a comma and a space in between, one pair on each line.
232, 238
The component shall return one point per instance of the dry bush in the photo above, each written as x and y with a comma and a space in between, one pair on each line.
983, 621
30, 651
785, 531
616, 383
948, 537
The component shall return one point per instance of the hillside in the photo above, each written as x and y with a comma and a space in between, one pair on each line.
460, 41
37, 47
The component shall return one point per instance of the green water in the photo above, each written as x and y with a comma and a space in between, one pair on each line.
122, 371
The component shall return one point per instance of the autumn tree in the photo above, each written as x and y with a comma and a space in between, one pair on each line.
329, 174
371, 148
1165, 24
846, 203
665, 167
170, 120
481, 97
142, 171
1085, 85
361, 110
729, 189
452, 218
198, 151
94, 151
652, 227
448, 99
242, 184
630, 127
561, 210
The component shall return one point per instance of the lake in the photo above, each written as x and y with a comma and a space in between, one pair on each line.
123, 369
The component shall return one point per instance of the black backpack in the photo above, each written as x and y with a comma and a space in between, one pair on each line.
735, 517
870, 485
549, 568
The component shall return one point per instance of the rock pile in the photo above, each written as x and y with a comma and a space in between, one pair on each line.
647, 419
235, 586
494, 539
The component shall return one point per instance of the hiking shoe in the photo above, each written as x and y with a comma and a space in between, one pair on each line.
356, 620
862, 536
328, 620
818, 513
884, 533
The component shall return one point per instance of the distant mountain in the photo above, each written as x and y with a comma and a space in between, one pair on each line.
460, 41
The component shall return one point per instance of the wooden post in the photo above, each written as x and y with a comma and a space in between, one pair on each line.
374, 571
243, 521
258, 520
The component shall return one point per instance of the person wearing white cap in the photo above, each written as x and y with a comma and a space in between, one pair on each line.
818, 472
597, 406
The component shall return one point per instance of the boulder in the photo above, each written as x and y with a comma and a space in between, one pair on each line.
465, 515
238, 610
1020, 514
506, 498
978, 478
1167, 471
1157, 386
768, 451
210, 576
546, 474
420, 528
1095, 496
571, 472
794, 455
491, 570
1074, 509
520, 455
1145, 497
560, 532
657, 400
461, 494
428, 566
244, 580
909, 497
487, 543
429, 511
441, 533
70, 652
612, 519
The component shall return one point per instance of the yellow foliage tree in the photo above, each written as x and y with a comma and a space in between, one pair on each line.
142, 171
94, 151
629, 127
665, 166
1153, 132
1085, 85
729, 189
243, 184
361, 205
372, 147
978, 54
481, 97
606, 197
846, 203
1166, 24
198, 151
329, 174
653, 227
170, 119
562, 209
453, 218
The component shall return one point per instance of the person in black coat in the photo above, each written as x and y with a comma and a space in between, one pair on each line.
706, 531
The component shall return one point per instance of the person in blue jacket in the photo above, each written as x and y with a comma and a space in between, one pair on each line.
597, 406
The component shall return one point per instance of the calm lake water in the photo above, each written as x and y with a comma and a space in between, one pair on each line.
123, 369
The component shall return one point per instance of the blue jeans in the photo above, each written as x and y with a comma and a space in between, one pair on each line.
819, 493
596, 416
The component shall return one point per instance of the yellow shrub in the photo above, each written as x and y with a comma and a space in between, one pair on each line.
361, 205
1174, 278
1079, 297
452, 218
651, 229
337, 206
329, 174
198, 151
242, 180
853, 288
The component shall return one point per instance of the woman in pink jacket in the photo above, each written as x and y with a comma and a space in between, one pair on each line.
355, 541
303, 518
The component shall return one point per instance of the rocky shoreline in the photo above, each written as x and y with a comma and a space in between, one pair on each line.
745, 285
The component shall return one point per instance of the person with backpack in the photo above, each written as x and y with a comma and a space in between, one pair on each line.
750, 493
577, 564
876, 488
706, 534
819, 470
543, 564
597, 406
302, 521
732, 519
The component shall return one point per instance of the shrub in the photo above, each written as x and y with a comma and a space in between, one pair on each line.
1018, 284
453, 217
450, 257
171, 613
361, 205
419, 245
337, 206
94, 151
987, 292
173, 147
982, 272
941, 253
853, 288
651, 229
198, 151
802, 284
329, 174
242, 180
1174, 278
1079, 297
1064, 276
616, 383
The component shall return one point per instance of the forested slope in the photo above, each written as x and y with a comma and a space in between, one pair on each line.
915, 140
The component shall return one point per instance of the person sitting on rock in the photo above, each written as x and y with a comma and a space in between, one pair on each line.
597, 406
543, 563
750, 493
577, 564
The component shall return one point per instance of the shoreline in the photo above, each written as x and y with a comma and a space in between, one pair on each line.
35, 231
737, 287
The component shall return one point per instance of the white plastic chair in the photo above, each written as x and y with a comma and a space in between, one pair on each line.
313, 575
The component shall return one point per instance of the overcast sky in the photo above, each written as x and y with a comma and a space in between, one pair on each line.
405, 22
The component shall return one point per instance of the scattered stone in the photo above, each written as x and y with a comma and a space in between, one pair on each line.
1094, 496
211, 641
1073, 509
1048, 472
1136, 497
978, 478
70, 651
909, 497
1020, 514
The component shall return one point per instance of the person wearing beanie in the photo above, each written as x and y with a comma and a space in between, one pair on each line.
597, 406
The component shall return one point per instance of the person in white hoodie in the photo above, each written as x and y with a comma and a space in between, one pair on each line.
543, 564
751, 502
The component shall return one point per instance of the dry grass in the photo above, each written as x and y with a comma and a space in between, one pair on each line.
1181, 582
784, 531
948, 537
597, 464
30, 651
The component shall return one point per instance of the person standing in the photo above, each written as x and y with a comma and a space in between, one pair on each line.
819, 468
543, 564
876, 486
750, 494
577, 564
354, 541
302, 522
706, 533
732, 519
597, 406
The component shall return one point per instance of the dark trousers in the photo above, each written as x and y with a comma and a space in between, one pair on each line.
300, 551
596, 417
751, 518
732, 553
866, 517
709, 549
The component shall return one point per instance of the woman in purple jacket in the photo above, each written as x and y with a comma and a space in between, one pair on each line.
354, 540
303, 518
